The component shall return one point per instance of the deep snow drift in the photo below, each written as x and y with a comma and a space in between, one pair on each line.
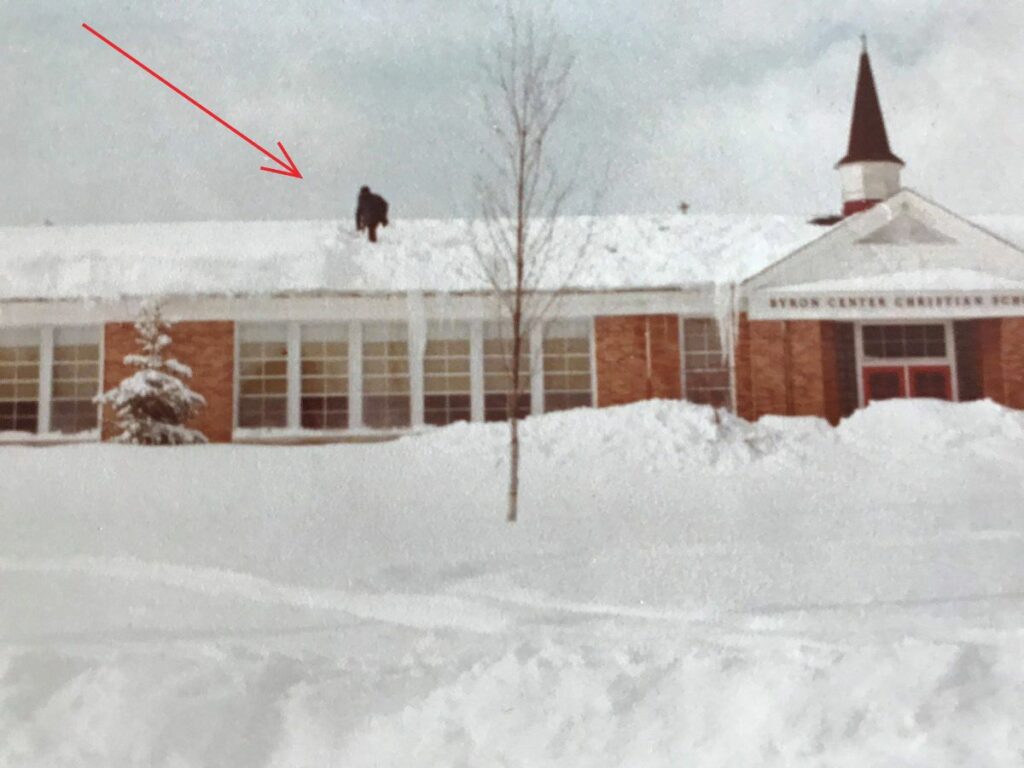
681, 590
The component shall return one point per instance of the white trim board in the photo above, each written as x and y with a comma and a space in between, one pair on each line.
697, 301
888, 305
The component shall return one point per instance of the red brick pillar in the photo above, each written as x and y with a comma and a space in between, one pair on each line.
744, 391
638, 358
768, 368
1013, 361
1006, 352
990, 356
206, 347
789, 368
814, 390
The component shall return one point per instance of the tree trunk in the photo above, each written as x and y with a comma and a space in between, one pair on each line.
513, 470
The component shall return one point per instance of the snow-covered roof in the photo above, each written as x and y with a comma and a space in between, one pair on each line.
1010, 227
260, 258
267, 258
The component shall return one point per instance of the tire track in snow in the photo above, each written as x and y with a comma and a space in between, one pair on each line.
409, 610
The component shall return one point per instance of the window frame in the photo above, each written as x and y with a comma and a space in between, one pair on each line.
320, 333
446, 331
533, 394
866, 361
728, 363
586, 324
256, 327
411, 366
50, 346
44, 340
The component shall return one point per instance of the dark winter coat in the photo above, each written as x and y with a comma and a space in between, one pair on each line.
372, 210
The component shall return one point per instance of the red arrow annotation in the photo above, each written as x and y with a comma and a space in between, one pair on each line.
288, 165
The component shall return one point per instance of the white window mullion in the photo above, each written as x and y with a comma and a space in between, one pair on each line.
355, 375
294, 375
593, 361
537, 368
45, 379
416, 349
476, 370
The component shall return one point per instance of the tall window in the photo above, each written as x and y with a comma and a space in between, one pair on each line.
76, 380
19, 380
567, 374
263, 376
446, 378
386, 375
705, 367
498, 374
324, 377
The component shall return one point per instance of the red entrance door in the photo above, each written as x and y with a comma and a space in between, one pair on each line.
930, 381
884, 383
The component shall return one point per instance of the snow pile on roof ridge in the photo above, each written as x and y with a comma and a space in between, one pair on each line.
268, 257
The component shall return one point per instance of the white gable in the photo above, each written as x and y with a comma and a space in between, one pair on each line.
873, 262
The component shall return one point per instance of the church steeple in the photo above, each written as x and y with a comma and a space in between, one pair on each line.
870, 171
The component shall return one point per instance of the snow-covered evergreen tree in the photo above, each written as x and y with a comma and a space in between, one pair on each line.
152, 405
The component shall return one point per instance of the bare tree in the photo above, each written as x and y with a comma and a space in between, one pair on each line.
517, 242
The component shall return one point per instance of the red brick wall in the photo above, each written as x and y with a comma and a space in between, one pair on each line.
625, 373
811, 356
1013, 361
207, 347
744, 383
768, 368
989, 336
1002, 359
786, 368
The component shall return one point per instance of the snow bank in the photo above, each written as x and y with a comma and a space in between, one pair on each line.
533, 704
682, 587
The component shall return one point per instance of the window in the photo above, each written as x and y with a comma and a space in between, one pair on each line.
446, 377
901, 341
324, 377
19, 380
386, 376
76, 380
498, 374
567, 376
263, 376
705, 368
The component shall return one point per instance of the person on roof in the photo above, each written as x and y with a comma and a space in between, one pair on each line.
371, 212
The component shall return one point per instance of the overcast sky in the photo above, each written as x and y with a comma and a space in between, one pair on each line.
731, 106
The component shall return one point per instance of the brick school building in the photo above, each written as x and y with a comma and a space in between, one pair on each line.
301, 331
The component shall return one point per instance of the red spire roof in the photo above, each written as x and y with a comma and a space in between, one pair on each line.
868, 140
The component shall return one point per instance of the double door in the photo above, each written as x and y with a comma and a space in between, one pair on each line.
883, 382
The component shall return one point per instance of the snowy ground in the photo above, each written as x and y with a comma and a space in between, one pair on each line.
678, 592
